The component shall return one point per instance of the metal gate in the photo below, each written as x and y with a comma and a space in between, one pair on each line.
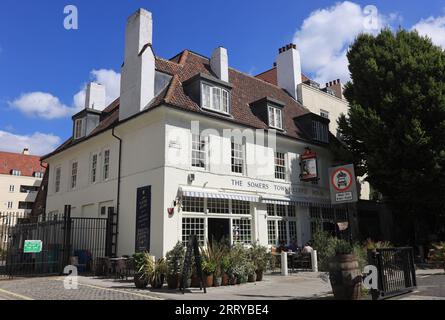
396, 271
65, 241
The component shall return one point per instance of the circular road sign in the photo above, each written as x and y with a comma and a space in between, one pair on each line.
341, 179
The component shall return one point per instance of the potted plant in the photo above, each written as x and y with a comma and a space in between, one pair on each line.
143, 264
344, 272
174, 259
250, 268
226, 269
208, 268
260, 256
157, 276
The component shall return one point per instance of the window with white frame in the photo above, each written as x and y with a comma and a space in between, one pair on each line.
271, 232
282, 232
193, 204
215, 98
282, 227
193, 226
199, 151
237, 157
241, 231
93, 168
106, 165
10, 204
73, 175
291, 211
324, 219
16, 172
215, 205
58, 173
275, 117
11, 188
240, 207
281, 210
78, 128
280, 166
292, 231
270, 209
320, 131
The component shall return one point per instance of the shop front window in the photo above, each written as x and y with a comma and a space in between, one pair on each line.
241, 231
193, 226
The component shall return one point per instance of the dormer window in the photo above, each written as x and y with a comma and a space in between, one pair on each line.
215, 98
320, 131
78, 128
16, 172
38, 174
275, 117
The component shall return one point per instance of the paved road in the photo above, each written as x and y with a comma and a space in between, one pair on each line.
52, 288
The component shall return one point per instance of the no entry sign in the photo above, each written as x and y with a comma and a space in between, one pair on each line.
342, 184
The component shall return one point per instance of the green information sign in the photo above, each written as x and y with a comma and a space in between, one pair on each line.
32, 246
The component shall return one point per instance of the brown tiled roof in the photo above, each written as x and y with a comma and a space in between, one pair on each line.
271, 76
245, 90
27, 164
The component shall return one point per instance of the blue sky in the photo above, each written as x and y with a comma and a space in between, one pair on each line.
43, 65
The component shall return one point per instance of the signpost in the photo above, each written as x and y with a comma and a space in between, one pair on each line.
308, 166
343, 184
32, 246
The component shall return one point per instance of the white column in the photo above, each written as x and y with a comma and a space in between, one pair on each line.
284, 270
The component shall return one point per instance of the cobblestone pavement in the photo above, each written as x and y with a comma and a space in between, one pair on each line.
275, 287
52, 288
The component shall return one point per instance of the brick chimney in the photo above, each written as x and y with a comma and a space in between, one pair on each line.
337, 87
289, 69
138, 71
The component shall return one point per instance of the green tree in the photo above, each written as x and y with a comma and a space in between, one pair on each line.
395, 129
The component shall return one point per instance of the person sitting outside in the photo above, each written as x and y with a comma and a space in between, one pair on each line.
307, 248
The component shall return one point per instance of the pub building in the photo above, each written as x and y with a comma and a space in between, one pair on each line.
160, 158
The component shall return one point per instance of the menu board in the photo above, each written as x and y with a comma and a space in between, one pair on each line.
143, 219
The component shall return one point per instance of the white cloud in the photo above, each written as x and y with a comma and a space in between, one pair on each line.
41, 104
324, 37
38, 143
434, 28
47, 106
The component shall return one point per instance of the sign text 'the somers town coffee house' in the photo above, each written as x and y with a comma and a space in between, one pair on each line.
272, 187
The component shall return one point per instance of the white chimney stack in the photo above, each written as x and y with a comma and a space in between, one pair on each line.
289, 69
138, 71
95, 96
219, 63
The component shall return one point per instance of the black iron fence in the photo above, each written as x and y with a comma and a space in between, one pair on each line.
65, 240
396, 271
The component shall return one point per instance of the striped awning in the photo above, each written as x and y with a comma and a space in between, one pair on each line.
214, 194
298, 201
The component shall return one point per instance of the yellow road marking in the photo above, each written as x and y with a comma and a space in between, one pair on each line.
15, 294
115, 290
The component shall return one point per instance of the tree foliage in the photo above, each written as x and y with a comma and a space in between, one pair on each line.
395, 129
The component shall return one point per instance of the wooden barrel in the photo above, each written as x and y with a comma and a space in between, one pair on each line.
346, 277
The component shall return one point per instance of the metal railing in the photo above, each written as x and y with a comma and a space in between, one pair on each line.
396, 271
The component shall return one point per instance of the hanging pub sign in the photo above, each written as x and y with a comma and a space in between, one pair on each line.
308, 165
342, 184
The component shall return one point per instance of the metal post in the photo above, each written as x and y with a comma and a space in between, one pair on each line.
284, 269
314, 261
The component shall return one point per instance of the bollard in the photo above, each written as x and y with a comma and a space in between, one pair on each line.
314, 261
284, 270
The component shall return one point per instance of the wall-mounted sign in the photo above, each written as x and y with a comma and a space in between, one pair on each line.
32, 246
342, 184
308, 164
143, 219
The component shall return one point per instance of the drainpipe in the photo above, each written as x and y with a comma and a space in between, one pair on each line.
118, 186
